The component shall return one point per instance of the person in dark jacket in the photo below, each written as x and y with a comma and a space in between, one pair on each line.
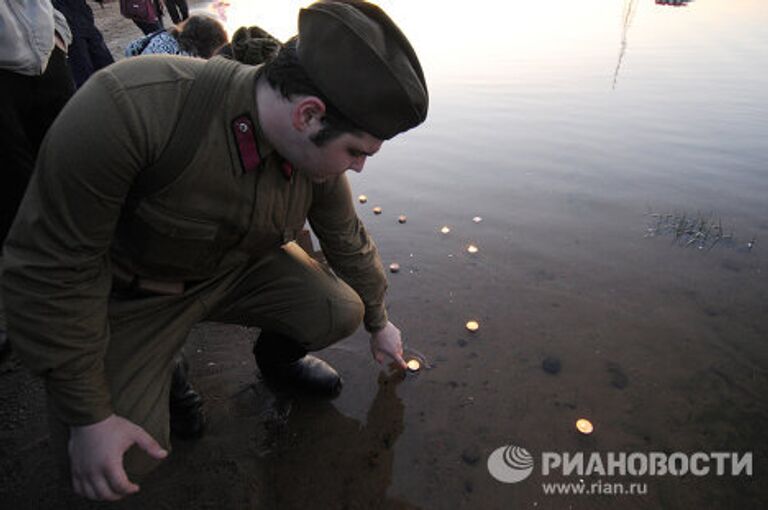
88, 53
35, 84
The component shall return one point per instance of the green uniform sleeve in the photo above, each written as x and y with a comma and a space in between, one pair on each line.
349, 249
57, 277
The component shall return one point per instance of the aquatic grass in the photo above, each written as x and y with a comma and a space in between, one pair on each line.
702, 231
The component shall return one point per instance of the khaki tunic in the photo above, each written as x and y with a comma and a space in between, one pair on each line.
218, 229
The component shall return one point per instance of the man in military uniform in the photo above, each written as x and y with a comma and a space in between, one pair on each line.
106, 275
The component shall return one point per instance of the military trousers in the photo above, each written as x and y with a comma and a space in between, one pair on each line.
285, 291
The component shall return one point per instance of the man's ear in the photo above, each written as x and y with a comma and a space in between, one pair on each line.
307, 113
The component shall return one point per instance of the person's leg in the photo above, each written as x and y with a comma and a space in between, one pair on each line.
97, 48
28, 107
184, 8
15, 147
80, 60
147, 28
159, 10
173, 11
145, 336
51, 92
301, 306
290, 293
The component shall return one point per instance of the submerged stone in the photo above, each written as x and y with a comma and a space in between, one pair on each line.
619, 379
471, 455
551, 365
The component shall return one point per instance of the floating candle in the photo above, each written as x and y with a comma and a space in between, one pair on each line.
363, 199
473, 325
377, 210
445, 229
584, 426
394, 267
413, 365
402, 218
472, 248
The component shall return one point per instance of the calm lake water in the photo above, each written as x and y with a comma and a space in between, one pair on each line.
566, 125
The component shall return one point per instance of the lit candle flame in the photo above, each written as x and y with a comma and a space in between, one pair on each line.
445, 229
413, 365
584, 426
472, 248
473, 325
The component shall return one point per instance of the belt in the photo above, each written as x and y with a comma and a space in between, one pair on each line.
124, 280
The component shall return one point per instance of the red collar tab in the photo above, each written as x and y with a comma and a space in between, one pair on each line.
247, 148
287, 169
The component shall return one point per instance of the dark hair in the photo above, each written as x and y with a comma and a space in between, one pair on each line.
285, 73
200, 35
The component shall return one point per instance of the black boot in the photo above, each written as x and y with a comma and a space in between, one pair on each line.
284, 362
187, 418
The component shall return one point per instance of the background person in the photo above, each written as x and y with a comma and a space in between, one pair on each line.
88, 53
199, 36
35, 83
147, 27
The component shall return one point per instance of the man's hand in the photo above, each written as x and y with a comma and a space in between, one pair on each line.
96, 453
386, 342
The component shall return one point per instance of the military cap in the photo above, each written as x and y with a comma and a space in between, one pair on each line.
362, 62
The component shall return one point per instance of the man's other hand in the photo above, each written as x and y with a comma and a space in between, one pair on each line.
96, 453
386, 342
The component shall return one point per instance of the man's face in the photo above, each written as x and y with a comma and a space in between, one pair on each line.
348, 151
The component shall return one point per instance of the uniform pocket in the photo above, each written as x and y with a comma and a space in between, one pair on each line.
168, 245
176, 226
